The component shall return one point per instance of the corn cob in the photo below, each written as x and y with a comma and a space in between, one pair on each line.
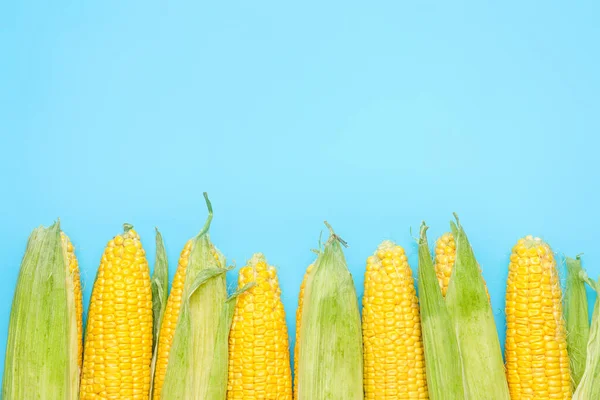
445, 256
77, 295
576, 319
192, 345
298, 326
259, 360
393, 349
118, 343
536, 346
330, 362
43, 352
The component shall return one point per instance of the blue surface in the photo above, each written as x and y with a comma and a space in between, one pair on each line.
373, 118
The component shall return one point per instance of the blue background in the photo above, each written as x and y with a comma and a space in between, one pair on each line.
372, 117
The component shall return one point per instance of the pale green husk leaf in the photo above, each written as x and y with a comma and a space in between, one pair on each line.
576, 318
481, 356
443, 367
330, 363
589, 386
42, 346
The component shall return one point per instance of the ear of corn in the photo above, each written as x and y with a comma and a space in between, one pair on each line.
298, 326
160, 286
330, 356
187, 350
259, 360
118, 342
393, 348
442, 357
576, 318
43, 353
536, 346
182, 374
468, 302
589, 386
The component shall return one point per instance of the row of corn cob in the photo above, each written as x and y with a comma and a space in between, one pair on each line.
197, 343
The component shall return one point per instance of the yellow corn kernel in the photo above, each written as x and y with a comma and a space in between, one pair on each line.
118, 344
393, 347
537, 365
259, 361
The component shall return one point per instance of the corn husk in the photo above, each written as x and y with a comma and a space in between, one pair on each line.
43, 339
197, 367
589, 385
576, 318
330, 364
443, 366
160, 287
463, 317
467, 299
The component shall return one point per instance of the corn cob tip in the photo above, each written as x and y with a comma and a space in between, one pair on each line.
255, 259
333, 236
127, 227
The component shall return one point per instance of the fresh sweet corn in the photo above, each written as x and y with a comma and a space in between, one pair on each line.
298, 326
192, 354
537, 364
118, 342
467, 362
43, 352
259, 358
394, 367
330, 359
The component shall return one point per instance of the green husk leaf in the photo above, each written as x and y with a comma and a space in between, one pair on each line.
576, 318
42, 346
482, 363
193, 354
330, 365
218, 387
442, 357
589, 386
160, 284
